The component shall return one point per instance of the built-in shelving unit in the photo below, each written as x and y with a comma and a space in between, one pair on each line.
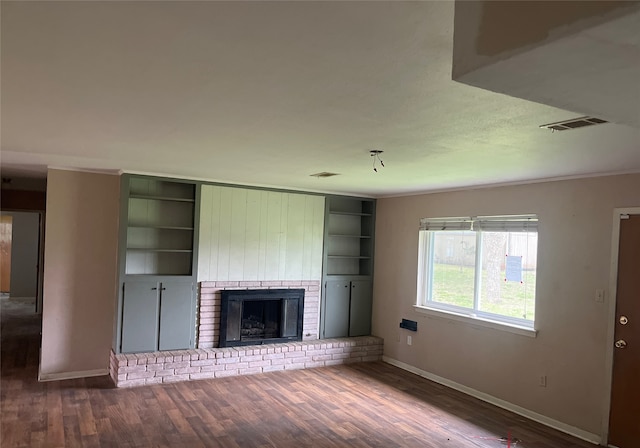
157, 264
348, 267
160, 226
349, 236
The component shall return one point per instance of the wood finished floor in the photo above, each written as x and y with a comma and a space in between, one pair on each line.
358, 405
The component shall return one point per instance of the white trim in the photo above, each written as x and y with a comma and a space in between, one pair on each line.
531, 415
611, 317
109, 172
477, 321
477, 271
423, 281
253, 185
540, 180
72, 375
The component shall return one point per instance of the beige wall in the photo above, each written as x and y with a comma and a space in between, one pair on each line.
487, 31
80, 275
572, 55
573, 261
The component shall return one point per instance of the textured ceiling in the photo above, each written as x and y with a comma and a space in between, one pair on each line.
268, 93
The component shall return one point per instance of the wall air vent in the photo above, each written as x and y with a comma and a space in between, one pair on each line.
324, 174
574, 123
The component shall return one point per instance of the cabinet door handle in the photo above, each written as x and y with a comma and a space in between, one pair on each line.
154, 288
162, 289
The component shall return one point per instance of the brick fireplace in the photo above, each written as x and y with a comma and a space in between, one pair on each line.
209, 360
208, 324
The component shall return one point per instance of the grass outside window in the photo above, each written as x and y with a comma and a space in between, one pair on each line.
516, 300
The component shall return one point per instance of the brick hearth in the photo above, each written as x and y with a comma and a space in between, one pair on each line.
128, 370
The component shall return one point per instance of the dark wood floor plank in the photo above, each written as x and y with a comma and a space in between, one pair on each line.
55, 424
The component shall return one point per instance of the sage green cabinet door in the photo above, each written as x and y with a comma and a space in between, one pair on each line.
141, 307
177, 326
336, 309
360, 311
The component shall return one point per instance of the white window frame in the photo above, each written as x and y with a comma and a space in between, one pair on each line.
428, 228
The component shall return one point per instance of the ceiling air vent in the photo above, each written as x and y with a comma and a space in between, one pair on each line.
324, 174
573, 124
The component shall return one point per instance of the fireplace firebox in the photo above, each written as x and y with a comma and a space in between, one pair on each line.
261, 316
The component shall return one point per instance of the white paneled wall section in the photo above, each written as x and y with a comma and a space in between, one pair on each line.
250, 234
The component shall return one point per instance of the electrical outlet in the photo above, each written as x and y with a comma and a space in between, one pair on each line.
600, 295
409, 340
543, 381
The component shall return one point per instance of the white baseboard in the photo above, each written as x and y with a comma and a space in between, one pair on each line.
555, 424
71, 375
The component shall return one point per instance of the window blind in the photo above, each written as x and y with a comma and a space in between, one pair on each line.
445, 224
512, 223
520, 223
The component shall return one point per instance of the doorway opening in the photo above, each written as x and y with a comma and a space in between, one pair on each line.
20, 298
20, 252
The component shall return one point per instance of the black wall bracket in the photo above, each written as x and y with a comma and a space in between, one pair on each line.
410, 325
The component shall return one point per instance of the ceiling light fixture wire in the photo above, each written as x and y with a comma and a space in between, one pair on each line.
375, 153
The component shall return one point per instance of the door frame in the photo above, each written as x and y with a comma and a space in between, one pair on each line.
611, 316
41, 232
5, 282
40, 267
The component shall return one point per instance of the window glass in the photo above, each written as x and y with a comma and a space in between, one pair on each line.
512, 295
488, 272
454, 261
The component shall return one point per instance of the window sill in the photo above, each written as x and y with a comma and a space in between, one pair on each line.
477, 321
